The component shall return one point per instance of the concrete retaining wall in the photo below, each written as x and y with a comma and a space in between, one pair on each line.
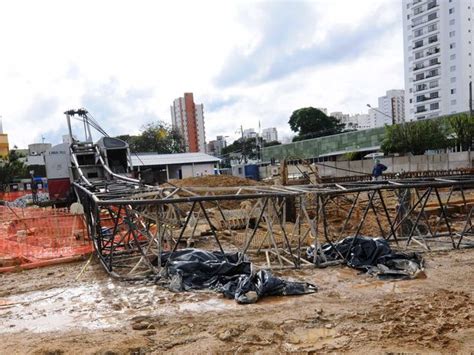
445, 161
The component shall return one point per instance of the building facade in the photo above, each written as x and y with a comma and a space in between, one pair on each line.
249, 133
4, 146
270, 134
392, 106
188, 118
215, 147
438, 56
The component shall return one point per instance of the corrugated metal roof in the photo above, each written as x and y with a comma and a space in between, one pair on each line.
149, 159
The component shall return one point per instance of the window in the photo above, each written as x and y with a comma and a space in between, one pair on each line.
452, 33
434, 95
434, 61
453, 91
432, 73
419, 77
418, 66
420, 109
452, 45
433, 84
432, 39
434, 106
452, 56
453, 68
451, 10
418, 44
417, 10
418, 32
432, 27
432, 16
418, 55
421, 87
453, 102
452, 22
453, 79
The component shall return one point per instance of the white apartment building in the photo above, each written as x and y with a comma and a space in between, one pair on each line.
270, 134
438, 56
249, 133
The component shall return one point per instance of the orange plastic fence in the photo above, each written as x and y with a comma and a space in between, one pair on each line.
34, 236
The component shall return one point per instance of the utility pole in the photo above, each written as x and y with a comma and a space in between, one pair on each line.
470, 99
244, 157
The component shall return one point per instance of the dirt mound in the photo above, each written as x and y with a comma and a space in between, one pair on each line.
214, 181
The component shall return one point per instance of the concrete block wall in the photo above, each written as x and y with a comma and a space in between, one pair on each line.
444, 161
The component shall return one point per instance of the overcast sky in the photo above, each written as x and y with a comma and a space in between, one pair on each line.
125, 61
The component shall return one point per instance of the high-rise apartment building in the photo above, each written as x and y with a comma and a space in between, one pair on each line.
393, 107
188, 118
270, 134
438, 56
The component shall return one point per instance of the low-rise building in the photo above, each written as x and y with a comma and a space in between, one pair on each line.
159, 168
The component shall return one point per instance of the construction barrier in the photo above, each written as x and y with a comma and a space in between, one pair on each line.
40, 236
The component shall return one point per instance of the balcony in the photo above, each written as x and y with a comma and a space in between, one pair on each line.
434, 51
431, 17
432, 4
418, 46
421, 109
418, 67
433, 40
422, 89
427, 98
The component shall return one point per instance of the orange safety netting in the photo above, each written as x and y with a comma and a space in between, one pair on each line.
13, 195
42, 236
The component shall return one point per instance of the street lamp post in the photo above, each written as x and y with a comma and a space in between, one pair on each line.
383, 113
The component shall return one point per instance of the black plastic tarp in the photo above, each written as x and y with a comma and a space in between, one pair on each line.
195, 269
374, 256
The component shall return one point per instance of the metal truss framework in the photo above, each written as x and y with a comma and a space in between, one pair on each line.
131, 224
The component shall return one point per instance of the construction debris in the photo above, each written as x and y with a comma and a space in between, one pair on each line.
229, 273
373, 256
27, 200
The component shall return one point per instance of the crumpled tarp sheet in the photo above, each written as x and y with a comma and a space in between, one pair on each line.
195, 269
374, 256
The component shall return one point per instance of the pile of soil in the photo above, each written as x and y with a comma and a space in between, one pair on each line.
214, 181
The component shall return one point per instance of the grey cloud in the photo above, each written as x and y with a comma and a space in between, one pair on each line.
216, 103
115, 110
283, 51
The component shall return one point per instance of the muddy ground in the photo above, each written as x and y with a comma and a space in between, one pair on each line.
47, 311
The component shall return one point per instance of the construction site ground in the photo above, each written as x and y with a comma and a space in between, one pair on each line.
49, 311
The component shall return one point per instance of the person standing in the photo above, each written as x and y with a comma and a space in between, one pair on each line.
378, 170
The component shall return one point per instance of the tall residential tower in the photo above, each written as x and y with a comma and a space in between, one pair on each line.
188, 118
438, 56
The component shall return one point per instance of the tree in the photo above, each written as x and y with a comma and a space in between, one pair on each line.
12, 169
156, 137
415, 137
309, 122
462, 128
245, 148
